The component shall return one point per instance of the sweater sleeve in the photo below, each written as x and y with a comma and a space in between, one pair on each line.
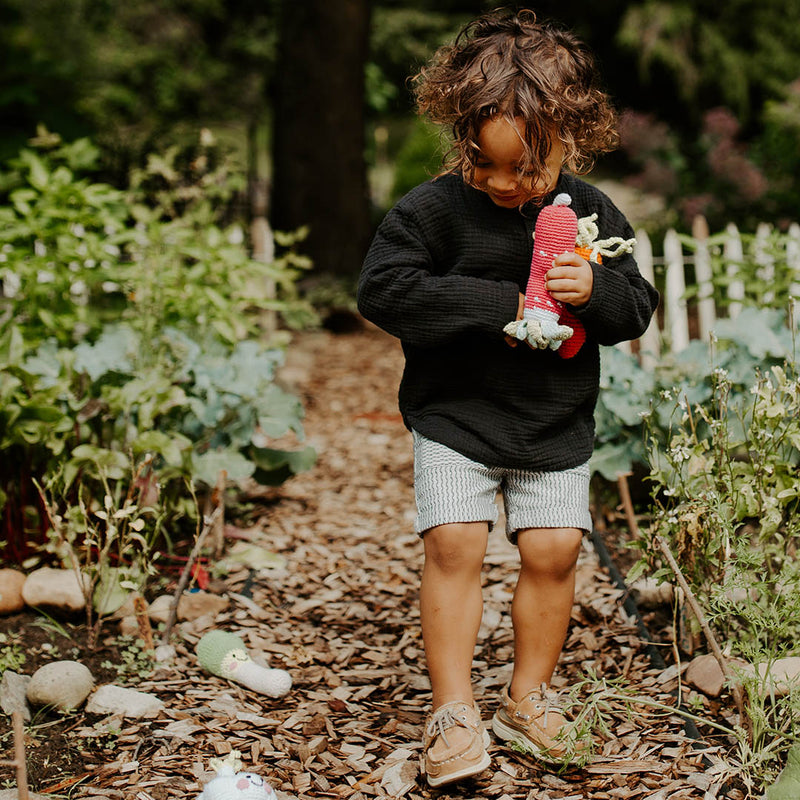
622, 301
401, 288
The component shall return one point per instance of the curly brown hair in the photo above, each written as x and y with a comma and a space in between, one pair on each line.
507, 63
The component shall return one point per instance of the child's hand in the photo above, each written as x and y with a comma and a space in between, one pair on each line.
570, 280
520, 310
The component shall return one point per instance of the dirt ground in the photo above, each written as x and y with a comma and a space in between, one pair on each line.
340, 614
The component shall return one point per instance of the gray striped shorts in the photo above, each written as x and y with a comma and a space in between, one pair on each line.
451, 488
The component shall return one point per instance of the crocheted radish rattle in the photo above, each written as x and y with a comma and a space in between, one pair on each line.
555, 233
231, 784
225, 655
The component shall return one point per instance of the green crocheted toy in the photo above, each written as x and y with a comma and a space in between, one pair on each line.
225, 655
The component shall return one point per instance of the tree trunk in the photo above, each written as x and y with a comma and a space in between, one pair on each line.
319, 172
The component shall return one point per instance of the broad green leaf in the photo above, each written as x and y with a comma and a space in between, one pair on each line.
109, 594
12, 348
787, 787
279, 412
275, 466
611, 461
170, 446
207, 466
114, 351
254, 557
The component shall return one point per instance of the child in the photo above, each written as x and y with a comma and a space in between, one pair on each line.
446, 273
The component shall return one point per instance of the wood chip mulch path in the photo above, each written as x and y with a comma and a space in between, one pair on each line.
342, 616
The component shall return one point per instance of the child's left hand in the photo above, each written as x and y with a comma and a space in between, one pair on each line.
570, 280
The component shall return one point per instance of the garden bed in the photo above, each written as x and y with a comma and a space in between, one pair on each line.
341, 615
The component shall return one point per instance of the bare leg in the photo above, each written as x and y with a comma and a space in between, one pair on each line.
542, 604
451, 606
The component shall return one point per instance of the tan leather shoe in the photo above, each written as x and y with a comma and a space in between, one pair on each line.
454, 744
534, 724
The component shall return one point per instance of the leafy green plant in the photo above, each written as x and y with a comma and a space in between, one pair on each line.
136, 662
129, 322
732, 461
109, 544
726, 499
12, 653
756, 340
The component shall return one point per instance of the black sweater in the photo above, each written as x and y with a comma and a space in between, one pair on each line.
443, 274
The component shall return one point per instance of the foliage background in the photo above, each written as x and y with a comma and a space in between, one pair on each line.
709, 96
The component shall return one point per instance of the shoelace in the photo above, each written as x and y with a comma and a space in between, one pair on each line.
550, 700
443, 720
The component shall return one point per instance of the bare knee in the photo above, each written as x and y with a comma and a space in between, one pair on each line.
456, 548
549, 552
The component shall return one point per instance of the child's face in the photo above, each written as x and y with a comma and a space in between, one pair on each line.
499, 171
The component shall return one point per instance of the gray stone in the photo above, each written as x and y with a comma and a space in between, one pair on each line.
782, 676
111, 699
11, 582
13, 690
158, 610
59, 588
705, 674
63, 684
128, 626
649, 593
194, 605
191, 606
164, 653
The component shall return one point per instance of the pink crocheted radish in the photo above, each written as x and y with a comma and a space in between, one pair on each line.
555, 233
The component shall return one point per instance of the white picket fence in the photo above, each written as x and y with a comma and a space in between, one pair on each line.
671, 330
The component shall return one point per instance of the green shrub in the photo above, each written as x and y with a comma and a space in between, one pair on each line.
131, 326
757, 339
726, 489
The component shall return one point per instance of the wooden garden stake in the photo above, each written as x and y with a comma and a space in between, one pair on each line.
19, 756
143, 621
218, 501
736, 689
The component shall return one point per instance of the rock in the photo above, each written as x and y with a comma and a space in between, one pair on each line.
59, 588
11, 582
164, 653
191, 606
13, 697
63, 684
127, 609
111, 699
128, 626
158, 610
649, 593
704, 673
194, 605
783, 675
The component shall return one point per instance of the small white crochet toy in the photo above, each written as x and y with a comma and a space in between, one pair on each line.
231, 784
225, 655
